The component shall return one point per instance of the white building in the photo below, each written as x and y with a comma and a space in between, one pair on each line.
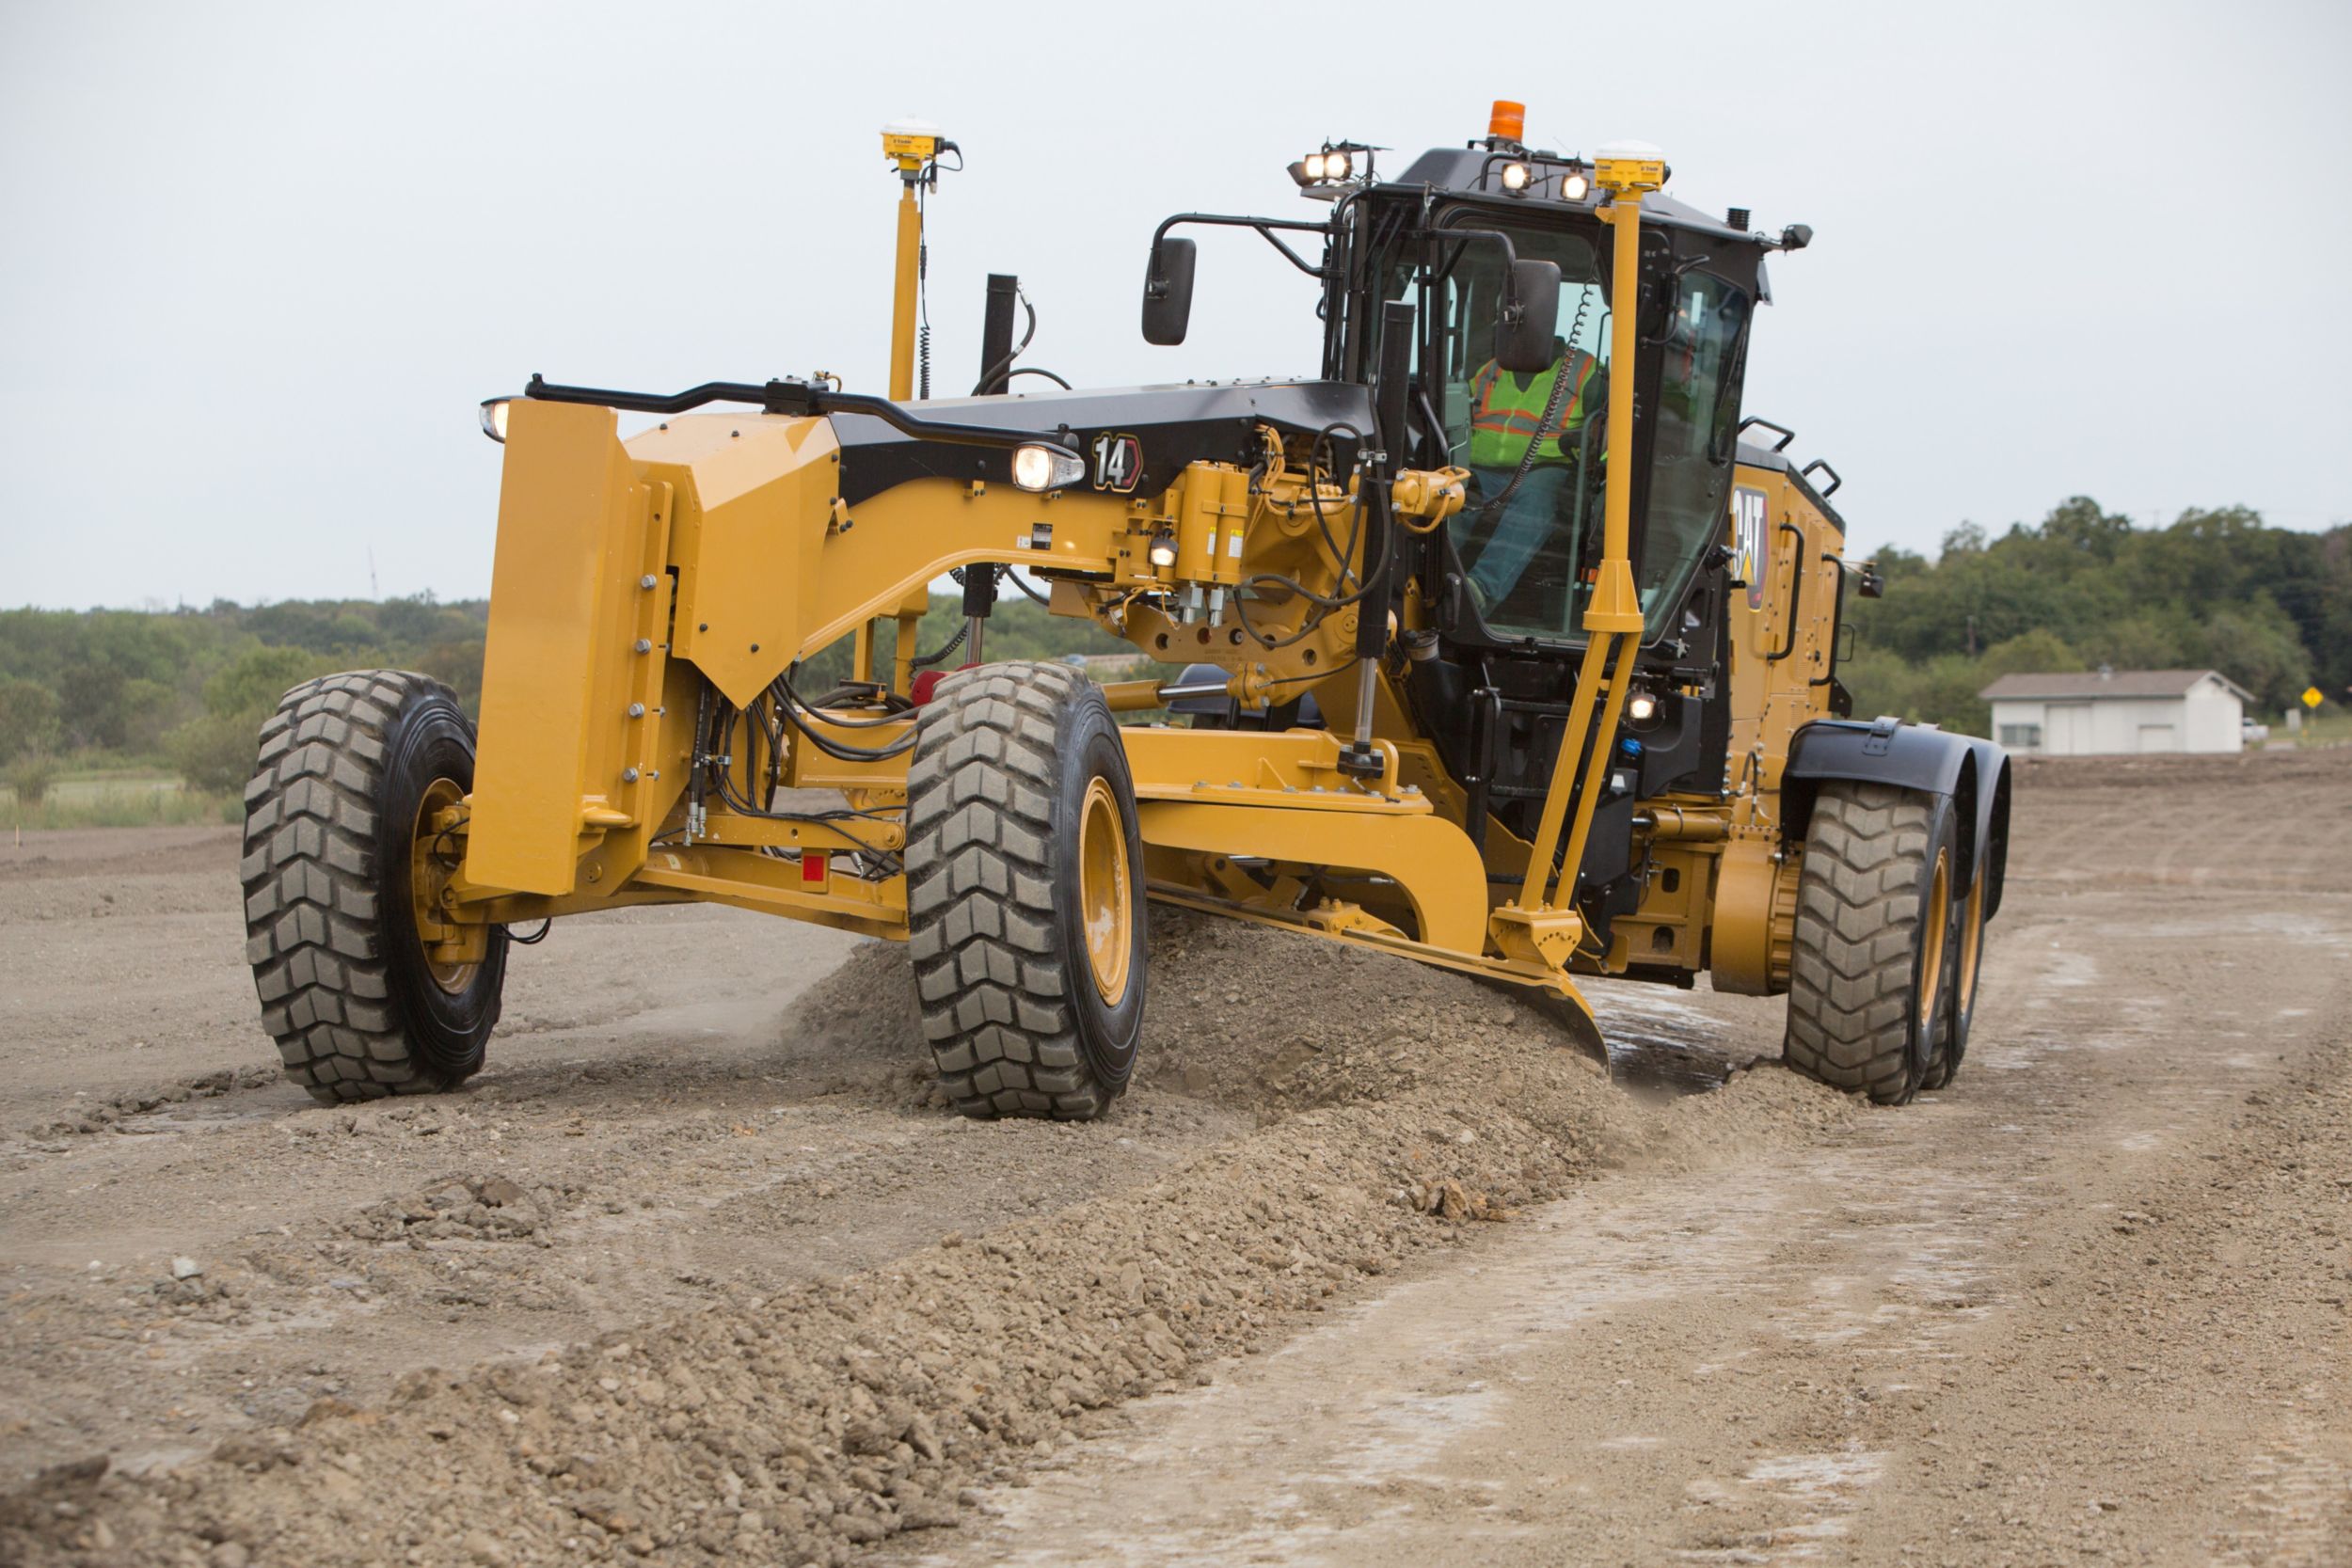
2113, 712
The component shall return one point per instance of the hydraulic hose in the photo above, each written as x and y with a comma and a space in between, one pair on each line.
838, 752
1325, 604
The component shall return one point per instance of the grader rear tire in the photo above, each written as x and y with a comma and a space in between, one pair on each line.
351, 766
1024, 892
1873, 954
1960, 1007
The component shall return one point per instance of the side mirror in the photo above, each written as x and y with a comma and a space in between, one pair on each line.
1531, 311
1168, 292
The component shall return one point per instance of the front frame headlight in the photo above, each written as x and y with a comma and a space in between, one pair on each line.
1039, 467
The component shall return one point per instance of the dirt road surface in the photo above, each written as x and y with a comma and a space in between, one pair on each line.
1375, 1266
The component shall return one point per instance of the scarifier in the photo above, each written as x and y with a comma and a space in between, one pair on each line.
1505, 650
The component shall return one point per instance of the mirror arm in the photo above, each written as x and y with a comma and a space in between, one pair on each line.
1295, 259
1264, 226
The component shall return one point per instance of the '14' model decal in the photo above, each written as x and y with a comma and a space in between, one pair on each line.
1117, 463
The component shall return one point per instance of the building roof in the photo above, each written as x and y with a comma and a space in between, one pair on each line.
2091, 685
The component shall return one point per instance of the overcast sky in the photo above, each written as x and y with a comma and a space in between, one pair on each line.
259, 263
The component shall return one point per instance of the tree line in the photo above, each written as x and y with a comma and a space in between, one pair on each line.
2269, 608
188, 689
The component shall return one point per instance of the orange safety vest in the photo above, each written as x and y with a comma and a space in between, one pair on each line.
1505, 417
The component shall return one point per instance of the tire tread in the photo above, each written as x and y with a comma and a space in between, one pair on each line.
310, 871
993, 986
1858, 919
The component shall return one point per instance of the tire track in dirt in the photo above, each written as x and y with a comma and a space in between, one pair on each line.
794, 1400
1934, 1339
849, 1409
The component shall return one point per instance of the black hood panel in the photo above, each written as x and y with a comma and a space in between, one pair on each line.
1172, 426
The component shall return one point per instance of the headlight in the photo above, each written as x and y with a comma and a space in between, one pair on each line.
1335, 165
1315, 163
1046, 467
1515, 177
1573, 187
1163, 551
1641, 707
494, 417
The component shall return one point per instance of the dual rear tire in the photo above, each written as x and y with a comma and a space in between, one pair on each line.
1960, 1001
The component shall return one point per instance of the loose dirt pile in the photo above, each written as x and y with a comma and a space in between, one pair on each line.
1394, 1104
103, 1114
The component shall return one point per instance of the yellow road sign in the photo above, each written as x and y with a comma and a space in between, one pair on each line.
2313, 696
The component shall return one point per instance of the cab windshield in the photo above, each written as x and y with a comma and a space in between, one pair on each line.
1530, 538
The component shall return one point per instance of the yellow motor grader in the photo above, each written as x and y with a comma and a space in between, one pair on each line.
1505, 650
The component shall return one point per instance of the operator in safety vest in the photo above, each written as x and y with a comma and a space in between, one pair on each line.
1506, 413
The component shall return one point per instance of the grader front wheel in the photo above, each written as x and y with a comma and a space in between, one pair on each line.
366, 988
1024, 892
1875, 951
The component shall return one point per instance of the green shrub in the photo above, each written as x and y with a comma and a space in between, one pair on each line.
2035, 652
28, 718
256, 678
214, 751
30, 775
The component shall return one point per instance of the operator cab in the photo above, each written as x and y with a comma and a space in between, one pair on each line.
1521, 554
1507, 261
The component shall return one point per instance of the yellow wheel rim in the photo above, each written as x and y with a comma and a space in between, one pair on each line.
1971, 943
428, 873
1936, 922
1105, 901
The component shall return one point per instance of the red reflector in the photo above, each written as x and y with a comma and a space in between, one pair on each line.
812, 865
927, 684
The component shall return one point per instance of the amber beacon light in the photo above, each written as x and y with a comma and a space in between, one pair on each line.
1508, 122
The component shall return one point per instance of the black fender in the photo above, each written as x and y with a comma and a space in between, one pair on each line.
1973, 773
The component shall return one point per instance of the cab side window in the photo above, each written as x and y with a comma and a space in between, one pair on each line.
1691, 461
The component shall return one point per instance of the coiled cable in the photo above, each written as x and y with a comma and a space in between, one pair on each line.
1552, 411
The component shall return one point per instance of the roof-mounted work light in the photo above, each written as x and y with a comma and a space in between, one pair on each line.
1332, 164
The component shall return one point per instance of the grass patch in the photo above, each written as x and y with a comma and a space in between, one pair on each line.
2330, 726
118, 800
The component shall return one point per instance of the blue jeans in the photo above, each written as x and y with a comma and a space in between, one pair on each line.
1532, 516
